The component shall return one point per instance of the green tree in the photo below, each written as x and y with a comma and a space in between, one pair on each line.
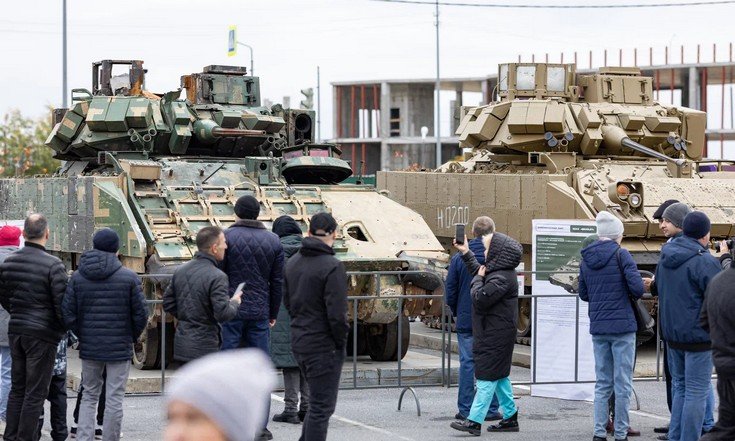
22, 149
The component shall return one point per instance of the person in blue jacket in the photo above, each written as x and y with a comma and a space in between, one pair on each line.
685, 269
608, 277
457, 294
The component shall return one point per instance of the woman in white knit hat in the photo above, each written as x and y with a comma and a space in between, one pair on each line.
220, 397
608, 278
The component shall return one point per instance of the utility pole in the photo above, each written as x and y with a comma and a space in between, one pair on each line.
437, 123
252, 69
318, 106
64, 102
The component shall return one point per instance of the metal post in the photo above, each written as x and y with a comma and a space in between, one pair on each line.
576, 340
443, 325
399, 322
437, 124
318, 106
163, 350
64, 102
252, 68
354, 344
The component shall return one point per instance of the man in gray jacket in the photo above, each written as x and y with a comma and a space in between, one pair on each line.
9, 243
198, 297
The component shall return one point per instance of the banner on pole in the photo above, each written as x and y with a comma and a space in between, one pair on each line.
232, 41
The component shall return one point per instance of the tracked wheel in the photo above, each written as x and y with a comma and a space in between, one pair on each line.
382, 340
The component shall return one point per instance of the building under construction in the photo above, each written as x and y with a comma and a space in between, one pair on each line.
389, 124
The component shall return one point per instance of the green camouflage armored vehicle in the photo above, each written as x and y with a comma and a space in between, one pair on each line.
156, 168
562, 145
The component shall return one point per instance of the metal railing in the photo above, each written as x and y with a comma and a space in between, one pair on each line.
354, 300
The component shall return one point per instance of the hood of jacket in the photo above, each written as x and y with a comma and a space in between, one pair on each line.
478, 249
679, 250
598, 253
291, 244
312, 246
98, 265
505, 253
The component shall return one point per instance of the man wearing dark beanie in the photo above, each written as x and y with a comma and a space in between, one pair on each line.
104, 306
316, 299
685, 269
254, 257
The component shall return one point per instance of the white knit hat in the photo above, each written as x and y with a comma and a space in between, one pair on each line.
232, 388
608, 226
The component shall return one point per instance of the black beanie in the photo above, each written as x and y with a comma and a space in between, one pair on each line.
106, 240
247, 207
696, 225
285, 226
323, 222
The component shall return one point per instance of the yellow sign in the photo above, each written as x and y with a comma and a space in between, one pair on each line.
232, 41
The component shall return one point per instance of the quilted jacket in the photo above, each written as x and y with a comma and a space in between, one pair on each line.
601, 283
255, 256
32, 284
104, 306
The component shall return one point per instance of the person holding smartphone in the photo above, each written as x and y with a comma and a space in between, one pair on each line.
198, 297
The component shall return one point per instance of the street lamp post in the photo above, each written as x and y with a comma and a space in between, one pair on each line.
437, 125
63, 58
252, 70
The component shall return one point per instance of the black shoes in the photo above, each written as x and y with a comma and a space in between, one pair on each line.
302, 415
598, 438
265, 435
291, 418
459, 417
468, 426
509, 424
663, 437
662, 429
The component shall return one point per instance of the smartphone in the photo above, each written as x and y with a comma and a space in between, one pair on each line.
459, 233
239, 288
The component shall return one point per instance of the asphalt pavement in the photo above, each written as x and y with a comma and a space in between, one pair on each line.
372, 415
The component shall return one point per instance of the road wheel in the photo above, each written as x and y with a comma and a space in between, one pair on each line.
146, 349
383, 340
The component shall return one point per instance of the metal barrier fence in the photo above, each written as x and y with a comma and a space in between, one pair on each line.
354, 301
446, 335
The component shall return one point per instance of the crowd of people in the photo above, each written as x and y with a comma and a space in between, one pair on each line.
695, 313
236, 290
260, 299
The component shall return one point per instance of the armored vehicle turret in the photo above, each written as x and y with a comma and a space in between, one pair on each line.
561, 145
156, 168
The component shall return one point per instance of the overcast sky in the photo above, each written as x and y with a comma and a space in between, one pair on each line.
349, 39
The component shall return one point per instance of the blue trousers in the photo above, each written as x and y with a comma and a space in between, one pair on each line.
240, 333
691, 386
614, 355
486, 390
466, 392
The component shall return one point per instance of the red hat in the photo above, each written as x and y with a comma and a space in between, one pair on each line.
10, 236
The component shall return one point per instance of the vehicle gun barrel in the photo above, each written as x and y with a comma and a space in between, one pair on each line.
208, 131
614, 135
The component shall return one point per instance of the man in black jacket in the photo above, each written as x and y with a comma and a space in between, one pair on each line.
104, 306
32, 284
316, 299
197, 297
717, 318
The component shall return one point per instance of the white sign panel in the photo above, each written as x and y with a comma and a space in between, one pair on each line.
561, 324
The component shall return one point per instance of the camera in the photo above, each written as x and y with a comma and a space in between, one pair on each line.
729, 242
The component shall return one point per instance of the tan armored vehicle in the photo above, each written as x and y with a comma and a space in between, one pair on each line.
558, 145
